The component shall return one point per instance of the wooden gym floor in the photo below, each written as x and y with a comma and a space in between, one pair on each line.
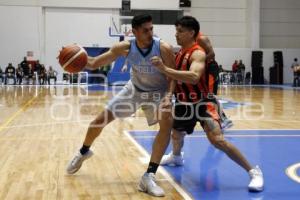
42, 126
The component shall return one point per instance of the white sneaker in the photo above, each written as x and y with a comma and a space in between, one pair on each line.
172, 160
75, 164
148, 185
257, 181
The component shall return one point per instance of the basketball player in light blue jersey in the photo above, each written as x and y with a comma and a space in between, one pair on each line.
148, 89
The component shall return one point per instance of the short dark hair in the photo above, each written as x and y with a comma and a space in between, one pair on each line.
190, 23
138, 20
295, 59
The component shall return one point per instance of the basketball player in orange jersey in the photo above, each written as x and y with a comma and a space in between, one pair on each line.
193, 101
175, 158
147, 88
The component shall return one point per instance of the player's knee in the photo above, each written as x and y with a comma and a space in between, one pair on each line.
102, 120
166, 126
166, 119
96, 122
219, 144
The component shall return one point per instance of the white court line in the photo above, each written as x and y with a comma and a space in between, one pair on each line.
47, 124
179, 189
267, 120
51, 86
291, 172
264, 129
227, 135
237, 130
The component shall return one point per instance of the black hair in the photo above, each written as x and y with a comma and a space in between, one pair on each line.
295, 59
190, 23
138, 20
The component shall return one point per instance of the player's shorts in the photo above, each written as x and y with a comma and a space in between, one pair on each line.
186, 115
130, 99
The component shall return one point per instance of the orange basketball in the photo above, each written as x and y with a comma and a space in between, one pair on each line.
73, 58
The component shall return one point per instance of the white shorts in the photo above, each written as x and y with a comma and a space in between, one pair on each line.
129, 100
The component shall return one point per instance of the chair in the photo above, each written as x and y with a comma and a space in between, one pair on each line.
83, 78
66, 78
296, 82
248, 78
1, 76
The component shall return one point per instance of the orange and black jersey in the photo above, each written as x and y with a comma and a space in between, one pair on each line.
187, 92
212, 71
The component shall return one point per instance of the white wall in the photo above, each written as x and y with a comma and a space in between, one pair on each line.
166, 33
253, 24
67, 26
225, 22
280, 24
249, 23
43, 26
65, 3
20, 32
155, 4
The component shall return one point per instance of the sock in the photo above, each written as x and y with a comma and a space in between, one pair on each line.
152, 167
84, 149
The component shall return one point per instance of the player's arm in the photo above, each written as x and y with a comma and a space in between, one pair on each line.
168, 58
119, 49
196, 70
192, 76
205, 43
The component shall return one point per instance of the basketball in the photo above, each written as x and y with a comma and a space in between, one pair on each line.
73, 58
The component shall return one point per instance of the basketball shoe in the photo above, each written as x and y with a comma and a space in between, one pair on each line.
172, 160
257, 181
75, 164
148, 185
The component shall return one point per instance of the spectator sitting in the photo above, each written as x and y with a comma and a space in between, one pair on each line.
233, 78
66, 77
42, 74
221, 68
241, 72
235, 66
25, 67
1, 75
30, 74
10, 72
20, 74
37, 67
52, 75
296, 69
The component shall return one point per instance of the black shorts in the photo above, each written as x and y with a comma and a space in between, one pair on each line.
187, 115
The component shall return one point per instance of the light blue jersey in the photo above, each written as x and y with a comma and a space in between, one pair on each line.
143, 74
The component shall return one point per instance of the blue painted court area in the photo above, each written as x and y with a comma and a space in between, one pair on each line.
104, 87
208, 174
